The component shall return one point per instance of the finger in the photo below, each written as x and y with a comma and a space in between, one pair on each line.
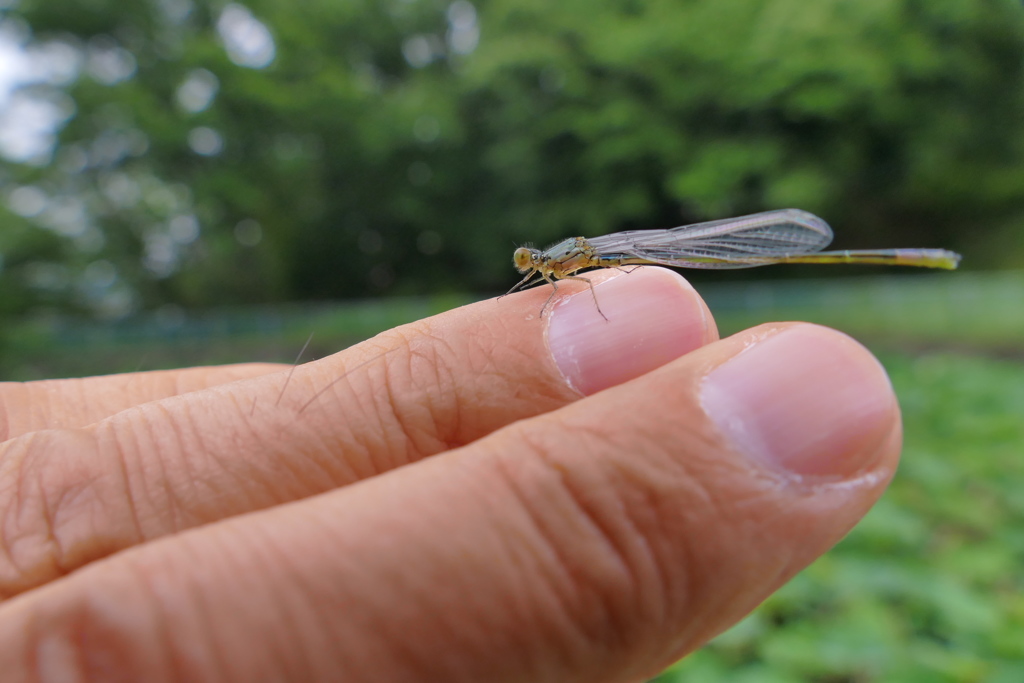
594, 543
70, 497
68, 403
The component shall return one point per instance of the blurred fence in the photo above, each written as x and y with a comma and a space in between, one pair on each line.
977, 312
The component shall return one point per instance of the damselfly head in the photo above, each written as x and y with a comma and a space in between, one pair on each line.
526, 259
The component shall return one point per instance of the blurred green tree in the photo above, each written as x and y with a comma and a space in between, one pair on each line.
213, 153
891, 119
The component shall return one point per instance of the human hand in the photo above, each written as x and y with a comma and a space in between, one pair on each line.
485, 495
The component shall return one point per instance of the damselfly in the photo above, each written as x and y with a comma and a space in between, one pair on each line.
760, 239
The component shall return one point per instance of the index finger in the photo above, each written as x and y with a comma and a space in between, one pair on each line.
68, 403
444, 382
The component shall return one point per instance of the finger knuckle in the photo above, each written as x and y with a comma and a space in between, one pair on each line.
594, 526
62, 505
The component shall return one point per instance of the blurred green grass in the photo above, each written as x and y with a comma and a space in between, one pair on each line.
50, 347
973, 312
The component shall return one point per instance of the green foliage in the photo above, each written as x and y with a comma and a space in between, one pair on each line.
378, 152
24, 280
928, 587
886, 117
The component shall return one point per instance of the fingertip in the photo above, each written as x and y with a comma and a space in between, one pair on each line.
803, 399
647, 317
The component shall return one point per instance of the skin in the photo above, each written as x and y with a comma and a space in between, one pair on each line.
459, 499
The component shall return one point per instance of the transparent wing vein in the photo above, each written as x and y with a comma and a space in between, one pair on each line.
729, 243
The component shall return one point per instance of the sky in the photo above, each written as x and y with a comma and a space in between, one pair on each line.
27, 123
12, 66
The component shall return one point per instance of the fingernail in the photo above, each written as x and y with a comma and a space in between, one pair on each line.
807, 400
651, 316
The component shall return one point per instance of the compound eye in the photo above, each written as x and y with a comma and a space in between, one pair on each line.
523, 259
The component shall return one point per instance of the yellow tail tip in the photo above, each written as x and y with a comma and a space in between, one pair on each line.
947, 259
